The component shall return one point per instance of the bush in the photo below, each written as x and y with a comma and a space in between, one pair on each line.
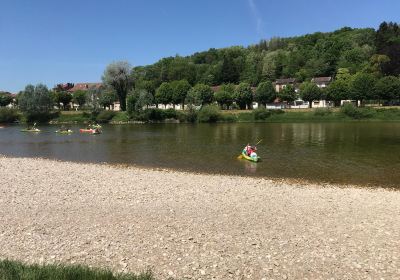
105, 116
261, 114
8, 115
356, 113
321, 112
40, 117
277, 111
170, 114
191, 115
209, 113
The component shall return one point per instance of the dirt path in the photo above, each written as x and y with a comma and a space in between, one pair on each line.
195, 226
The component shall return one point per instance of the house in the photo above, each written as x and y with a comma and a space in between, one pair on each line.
282, 83
322, 82
85, 86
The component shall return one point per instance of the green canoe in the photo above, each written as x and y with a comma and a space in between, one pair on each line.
31, 130
253, 159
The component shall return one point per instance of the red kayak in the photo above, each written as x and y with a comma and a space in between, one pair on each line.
90, 130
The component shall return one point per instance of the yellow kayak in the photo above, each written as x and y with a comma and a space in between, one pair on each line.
253, 159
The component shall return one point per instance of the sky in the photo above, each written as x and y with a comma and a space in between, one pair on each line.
58, 41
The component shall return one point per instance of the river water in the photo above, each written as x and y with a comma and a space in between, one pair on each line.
349, 153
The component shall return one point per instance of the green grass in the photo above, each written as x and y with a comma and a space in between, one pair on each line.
76, 117
13, 270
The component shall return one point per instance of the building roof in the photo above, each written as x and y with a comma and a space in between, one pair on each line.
85, 86
320, 80
285, 81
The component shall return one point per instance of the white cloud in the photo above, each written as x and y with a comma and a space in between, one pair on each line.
256, 15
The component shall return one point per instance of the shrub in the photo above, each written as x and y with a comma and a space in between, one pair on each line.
277, 111
8, 115
170, 114
105, 116
209, 113
261, 114
356, 113
40, 117
191, 115
321, 112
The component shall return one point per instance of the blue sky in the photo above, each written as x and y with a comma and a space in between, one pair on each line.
55, 41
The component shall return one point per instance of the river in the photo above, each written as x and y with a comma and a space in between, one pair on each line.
362, 153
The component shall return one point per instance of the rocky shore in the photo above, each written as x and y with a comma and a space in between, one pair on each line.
192, 226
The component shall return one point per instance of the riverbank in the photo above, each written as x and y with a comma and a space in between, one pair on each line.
195, 226
348, 114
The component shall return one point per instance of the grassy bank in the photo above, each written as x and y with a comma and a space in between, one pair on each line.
13, 270
213, 114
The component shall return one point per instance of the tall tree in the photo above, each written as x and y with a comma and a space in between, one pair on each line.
310, 92
62, 97
388, 88
180, 90
362, 87
117, 76
200, 94
164, 94
79, 97
287, 94
225, 95
5, 99
388, 43
265, 93
35, 102
244, 96
338, 90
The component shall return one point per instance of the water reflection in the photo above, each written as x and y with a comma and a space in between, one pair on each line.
336, 152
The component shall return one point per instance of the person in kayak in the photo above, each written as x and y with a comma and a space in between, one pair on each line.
250, 149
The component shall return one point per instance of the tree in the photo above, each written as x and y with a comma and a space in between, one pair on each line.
244, 96
5, 99
287, 94
225, 95
180, 90
362, 87
201, 94
144, 99
164, 94
35, 102
388, 88
338, 90
310, 92
265, 93
62, 97
387, 42
117, 76
107, 98
79, 97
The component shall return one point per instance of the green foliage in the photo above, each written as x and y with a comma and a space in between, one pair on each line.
225, 95
200, 94
8, 115
362, 86
105, 116
79, 97
117, 76
310, 92
261, 114
321, 112
388, 43
62, 97
35, 102
244, 96
107, 98
209, 114
287, 94
356, 113
388, 88
5, 99
180, 90
11, 270
265, 93
164, 94
338, 90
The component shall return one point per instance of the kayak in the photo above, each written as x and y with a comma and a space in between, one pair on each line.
30, 130
253, 159
69, 131
90, 131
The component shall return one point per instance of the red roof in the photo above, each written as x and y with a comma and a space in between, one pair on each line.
85, 86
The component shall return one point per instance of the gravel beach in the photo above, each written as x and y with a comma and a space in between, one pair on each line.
193, 226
